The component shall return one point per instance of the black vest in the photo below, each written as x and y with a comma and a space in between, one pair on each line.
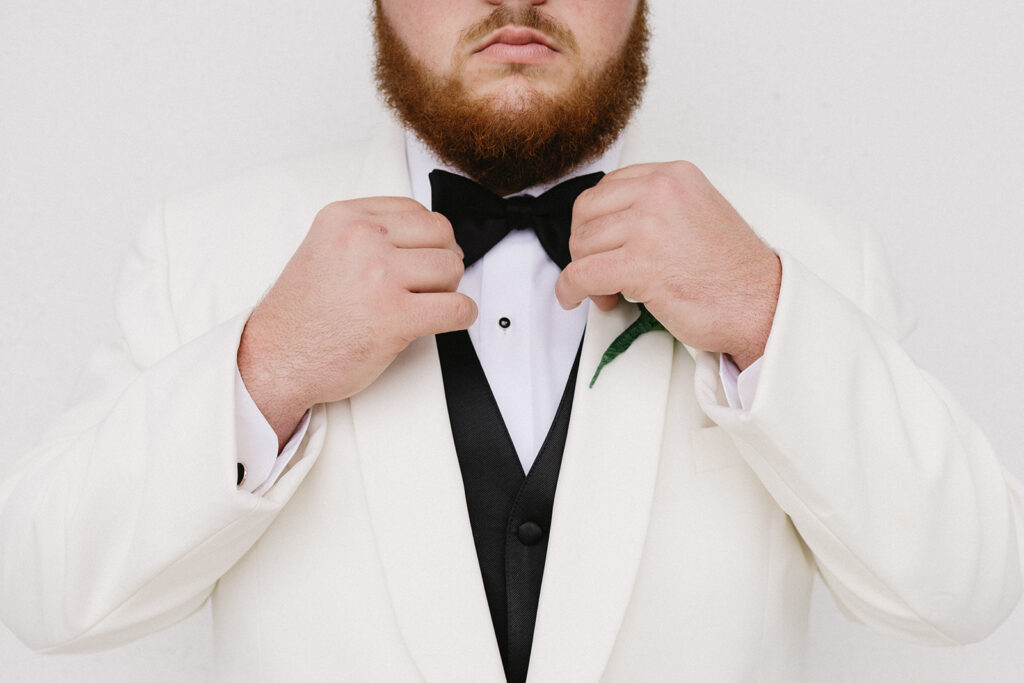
510, 513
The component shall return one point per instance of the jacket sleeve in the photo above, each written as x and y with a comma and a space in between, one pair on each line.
909, 515
123, 520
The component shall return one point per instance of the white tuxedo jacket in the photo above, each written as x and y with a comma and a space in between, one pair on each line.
685, 535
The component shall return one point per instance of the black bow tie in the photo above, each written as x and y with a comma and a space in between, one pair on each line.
481, 218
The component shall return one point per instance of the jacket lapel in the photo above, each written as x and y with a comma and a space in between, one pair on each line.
414, 490
603, 500
418, 509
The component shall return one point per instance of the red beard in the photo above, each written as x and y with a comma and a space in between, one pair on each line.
508, 150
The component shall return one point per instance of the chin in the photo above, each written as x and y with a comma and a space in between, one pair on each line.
517, 93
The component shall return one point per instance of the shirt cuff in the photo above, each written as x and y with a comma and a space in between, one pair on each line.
739, 387
259, 464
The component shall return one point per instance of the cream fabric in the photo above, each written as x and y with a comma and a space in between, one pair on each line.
686, 534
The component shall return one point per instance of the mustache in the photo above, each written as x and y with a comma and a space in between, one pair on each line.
527, 17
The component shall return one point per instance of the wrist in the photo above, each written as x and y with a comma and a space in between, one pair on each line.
270, 378
758, 313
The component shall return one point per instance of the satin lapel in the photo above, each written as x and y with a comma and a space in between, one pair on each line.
603, 500
414, 489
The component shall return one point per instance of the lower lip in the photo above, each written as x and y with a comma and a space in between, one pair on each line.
530, 53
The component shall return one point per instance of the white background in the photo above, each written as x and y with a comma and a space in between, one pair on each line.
906, 115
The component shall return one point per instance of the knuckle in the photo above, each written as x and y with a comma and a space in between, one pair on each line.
455, 265
684, 168
576, 272
347, 208
411, 203
582, 237
329, 213
437, 260
575, 241
362, 228
441, 232
442, 224
447, 263
586, 197
688, 175
396, 204
584, 204
665, 182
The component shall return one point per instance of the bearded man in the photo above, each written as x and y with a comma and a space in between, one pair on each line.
402, 463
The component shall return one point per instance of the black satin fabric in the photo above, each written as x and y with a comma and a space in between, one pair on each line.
481, 218
509, 511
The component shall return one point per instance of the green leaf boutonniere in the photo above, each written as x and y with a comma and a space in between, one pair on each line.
645, 323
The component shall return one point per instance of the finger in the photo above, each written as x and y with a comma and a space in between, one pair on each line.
638, 170
434, 313
608, 196
605, 273
680, 171
419, 229
605, 302
379, 206
427, 270
602, 233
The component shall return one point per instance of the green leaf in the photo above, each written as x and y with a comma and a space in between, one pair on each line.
643, 324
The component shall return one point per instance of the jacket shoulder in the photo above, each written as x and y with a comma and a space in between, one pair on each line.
222, 246
847, 254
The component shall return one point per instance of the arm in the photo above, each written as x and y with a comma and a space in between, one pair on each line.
122, 521
895, 491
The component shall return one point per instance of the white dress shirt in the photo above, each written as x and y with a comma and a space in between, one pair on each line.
525, 340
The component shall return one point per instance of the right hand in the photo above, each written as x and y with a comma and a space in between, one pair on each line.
371, 276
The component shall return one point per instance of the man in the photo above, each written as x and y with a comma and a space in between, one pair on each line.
692, 506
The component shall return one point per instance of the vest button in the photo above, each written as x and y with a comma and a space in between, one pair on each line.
529, 533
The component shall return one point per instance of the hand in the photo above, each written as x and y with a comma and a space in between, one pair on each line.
662, 235
371, 276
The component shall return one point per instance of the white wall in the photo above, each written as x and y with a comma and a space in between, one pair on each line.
905, 114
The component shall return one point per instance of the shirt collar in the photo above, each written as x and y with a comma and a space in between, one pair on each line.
422, 161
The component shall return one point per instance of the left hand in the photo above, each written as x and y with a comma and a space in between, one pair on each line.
662, 235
